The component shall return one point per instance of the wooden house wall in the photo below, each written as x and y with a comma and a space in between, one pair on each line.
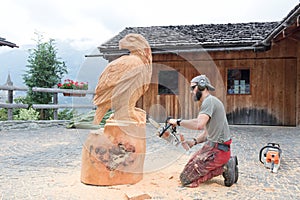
274, 79
297, 109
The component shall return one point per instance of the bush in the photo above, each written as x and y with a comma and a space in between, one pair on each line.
25, 114
66, 114
3, 114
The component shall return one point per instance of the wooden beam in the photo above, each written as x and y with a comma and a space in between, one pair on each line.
10, 105
287, 33
11, 87
283, 33
56, 106
57, 90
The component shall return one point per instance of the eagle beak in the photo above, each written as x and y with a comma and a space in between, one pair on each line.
121, 44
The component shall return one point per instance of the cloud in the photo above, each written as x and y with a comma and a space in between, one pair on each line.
49, 14
92, 22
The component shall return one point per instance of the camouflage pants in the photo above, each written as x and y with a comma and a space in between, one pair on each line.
205, 164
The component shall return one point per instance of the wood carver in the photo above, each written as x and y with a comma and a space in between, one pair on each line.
116, 154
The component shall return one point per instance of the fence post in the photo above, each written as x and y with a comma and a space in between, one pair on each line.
55, 101
10, 98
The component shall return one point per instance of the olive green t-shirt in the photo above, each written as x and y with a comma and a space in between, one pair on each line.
217, 126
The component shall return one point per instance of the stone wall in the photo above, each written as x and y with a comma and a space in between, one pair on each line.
31, 124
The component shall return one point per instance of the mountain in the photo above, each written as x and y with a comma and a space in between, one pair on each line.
80, 68
13, 62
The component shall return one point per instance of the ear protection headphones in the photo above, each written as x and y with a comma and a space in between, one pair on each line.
202, 84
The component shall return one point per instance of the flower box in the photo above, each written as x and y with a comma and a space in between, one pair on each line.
73, 95
75, 85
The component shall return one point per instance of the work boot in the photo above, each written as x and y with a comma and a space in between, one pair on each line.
236, 169
229, 172
184, 180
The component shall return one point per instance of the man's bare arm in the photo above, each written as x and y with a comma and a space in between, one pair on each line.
194, 124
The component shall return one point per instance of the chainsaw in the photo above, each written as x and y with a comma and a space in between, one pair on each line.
270, 156
167, 132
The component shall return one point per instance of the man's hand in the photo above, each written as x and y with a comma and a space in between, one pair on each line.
173, 122
186, 144
191, 143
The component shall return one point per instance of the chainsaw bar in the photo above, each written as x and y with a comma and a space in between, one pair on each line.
154, 123
161, 130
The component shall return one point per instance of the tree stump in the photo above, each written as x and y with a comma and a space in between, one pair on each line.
114, 155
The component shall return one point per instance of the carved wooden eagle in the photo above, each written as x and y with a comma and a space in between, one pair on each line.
124, 81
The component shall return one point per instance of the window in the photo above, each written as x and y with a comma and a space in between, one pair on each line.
168, 82
238, 81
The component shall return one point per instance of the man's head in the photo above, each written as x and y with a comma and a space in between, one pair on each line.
199, 85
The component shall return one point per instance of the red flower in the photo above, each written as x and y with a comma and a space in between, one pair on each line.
70, 84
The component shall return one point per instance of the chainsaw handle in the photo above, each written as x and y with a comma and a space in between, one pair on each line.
273, 144
164, 129
268, 146
168, 124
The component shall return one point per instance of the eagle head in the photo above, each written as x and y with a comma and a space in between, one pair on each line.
134, 42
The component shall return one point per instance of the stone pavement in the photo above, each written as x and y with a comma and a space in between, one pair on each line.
44, 163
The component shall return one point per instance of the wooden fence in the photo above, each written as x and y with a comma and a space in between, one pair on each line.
55, 106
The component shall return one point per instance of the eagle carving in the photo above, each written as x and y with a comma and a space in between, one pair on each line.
124, 81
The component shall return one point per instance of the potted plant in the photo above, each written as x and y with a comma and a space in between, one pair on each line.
73, 85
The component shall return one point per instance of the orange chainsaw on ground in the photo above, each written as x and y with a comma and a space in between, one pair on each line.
270, 156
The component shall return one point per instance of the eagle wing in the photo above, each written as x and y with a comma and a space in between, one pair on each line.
124, 72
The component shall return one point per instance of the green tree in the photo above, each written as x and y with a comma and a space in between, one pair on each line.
45, 70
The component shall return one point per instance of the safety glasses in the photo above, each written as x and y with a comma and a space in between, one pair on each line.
193, 87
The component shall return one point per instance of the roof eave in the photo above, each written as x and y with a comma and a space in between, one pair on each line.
107, 52
9, 44
289, 19
183, 47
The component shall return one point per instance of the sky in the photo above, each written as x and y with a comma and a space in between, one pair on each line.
87, 24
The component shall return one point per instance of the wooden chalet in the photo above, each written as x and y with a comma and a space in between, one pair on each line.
255, 68
4, 42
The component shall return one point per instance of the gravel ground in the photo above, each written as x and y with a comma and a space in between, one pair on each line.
45, 163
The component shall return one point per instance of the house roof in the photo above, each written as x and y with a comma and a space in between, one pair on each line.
210, 37
205, 35
4, 42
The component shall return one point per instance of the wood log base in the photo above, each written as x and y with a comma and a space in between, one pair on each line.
114, 155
